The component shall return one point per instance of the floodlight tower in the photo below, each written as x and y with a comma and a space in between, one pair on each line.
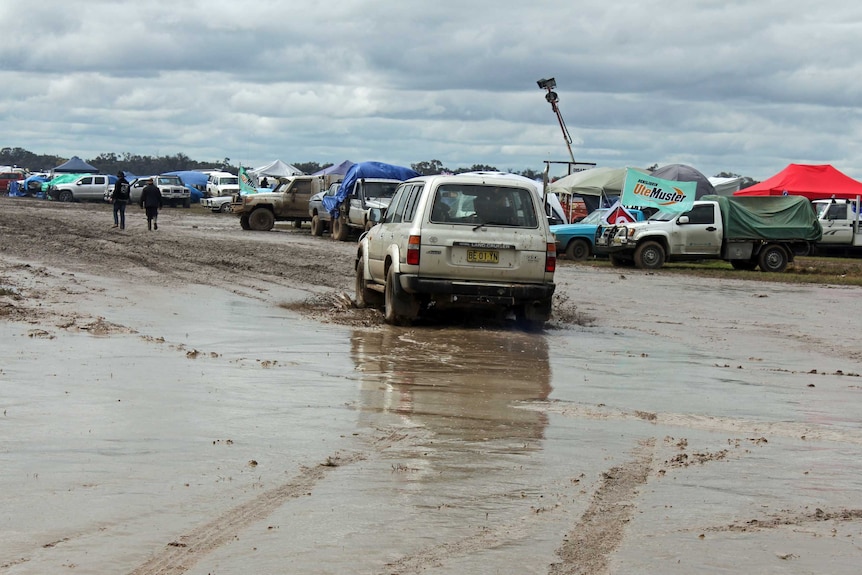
549, 84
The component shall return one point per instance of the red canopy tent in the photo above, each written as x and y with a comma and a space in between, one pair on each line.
820, 182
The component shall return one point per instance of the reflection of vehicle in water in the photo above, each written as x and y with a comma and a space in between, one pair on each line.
458, 386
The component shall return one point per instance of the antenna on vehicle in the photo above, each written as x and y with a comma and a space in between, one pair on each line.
549, 84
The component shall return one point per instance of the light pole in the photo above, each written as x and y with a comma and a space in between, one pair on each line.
549, 84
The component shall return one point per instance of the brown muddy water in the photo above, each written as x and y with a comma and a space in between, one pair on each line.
210, 433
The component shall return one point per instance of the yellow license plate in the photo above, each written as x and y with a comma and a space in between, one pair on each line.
483, 257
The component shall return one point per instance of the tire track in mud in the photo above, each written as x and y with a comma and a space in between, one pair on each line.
184, 552
586, 548
790, 429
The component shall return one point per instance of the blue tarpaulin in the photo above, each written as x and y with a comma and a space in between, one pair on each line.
365, 170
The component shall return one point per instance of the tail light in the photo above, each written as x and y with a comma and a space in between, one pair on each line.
551, 257
413, 244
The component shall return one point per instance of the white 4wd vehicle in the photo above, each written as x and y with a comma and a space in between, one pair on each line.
459, 242
174, 193
222, 184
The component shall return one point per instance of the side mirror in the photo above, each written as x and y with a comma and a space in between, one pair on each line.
375, 215
682, 220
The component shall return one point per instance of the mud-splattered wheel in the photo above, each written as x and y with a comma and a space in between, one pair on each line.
578, 250
365, 297
399, 307
261, 220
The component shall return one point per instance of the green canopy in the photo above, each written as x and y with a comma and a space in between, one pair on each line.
768, 217
61, 179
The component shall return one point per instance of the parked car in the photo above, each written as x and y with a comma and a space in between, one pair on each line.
320, 218
78, 187
174, 192
222, 184
6, 178
464, 242
219, 204
578, 241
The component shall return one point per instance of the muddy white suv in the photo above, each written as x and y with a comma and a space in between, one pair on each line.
465, 242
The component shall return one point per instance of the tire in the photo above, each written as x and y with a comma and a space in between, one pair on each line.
297, 224
224, 208
802, 249
365, 297
399, 308
773, 258
340, 230
243, 222
66, 196
261, 220
316, 226
578, 250
649, 256
187, 203
533, 318
745, 265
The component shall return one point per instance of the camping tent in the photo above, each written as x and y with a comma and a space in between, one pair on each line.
276, 169
338, 170
683, 173
76, 166
815, 182
592, 182
591, 185
725, 186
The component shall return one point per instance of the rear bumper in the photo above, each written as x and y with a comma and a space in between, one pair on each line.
478, 293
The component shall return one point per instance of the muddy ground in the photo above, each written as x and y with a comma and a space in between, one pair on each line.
201, 399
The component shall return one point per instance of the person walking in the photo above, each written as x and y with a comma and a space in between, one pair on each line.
151, 201
120, 197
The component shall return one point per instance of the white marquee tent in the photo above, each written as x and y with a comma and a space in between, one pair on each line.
276, 169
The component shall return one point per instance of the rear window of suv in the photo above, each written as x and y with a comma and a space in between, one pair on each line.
481, 204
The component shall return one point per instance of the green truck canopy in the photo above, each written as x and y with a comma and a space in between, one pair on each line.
768, 217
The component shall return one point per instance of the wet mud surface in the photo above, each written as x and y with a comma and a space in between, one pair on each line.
202, 400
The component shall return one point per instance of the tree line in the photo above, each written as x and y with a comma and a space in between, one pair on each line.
111, 163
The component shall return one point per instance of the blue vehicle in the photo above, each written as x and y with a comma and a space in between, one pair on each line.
578, 241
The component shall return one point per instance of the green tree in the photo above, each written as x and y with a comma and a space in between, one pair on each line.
429, 168
310, 167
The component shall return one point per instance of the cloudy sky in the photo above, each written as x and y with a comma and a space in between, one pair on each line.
725, 86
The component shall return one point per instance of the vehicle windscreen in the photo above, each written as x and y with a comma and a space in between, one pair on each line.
477, 204
228, 181
380, 189
594, 217
170, 181
661, 216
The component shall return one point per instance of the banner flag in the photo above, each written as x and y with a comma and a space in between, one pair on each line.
245, 184
667, 195
617, 214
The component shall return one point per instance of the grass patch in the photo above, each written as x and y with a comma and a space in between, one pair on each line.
803, 270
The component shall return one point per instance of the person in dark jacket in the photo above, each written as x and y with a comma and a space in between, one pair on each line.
120, 197
151, 200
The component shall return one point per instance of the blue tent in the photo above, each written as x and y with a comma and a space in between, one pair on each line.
195, 181
365, 170
76, 166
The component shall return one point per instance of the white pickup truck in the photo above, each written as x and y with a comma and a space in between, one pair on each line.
749, 232
842, 227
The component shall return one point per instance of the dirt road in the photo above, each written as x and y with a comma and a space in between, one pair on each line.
200, 399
